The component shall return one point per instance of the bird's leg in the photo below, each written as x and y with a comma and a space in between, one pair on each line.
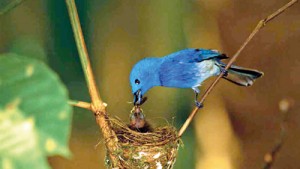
197, 91
222, 69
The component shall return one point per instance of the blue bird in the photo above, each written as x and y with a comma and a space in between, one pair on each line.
186, 68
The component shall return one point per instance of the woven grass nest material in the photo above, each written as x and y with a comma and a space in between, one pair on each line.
156, 149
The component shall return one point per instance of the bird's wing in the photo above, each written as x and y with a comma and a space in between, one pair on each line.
179, 75
183, 68
191, 55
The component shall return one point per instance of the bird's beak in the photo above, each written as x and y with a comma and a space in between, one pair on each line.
137, 97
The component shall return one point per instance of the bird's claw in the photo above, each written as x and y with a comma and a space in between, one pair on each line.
198, 104
224, 71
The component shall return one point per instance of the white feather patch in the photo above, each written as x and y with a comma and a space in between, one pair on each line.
207, 68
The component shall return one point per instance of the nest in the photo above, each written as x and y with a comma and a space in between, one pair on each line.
155, 149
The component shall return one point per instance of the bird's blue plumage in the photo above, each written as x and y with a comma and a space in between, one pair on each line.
187, 68
182, 69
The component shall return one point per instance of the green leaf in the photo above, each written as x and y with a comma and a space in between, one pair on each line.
35, 117
6, 5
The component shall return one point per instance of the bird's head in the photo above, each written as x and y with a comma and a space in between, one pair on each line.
144, 75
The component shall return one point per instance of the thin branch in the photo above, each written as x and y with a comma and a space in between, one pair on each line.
97, 106
284, 105
81, 104
259, 26
84, 57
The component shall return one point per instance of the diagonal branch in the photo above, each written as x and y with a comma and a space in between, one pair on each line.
259, 26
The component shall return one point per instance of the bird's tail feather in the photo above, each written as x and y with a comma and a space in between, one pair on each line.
242, 76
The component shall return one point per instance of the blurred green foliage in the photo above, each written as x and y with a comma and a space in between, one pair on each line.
7, 5
35, 116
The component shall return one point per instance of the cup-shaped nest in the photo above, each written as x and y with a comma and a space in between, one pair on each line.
156, 149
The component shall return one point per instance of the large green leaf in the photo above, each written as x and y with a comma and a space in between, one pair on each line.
35, 117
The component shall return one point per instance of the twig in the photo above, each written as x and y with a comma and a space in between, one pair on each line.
269, 158
84, 57
259, 26
81, 104
97, 106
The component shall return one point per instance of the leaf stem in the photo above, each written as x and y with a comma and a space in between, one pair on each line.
259, 26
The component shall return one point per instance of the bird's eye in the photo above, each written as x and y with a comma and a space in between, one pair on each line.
137, 81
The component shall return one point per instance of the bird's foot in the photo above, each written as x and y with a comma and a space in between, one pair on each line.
224, 71
198, 104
